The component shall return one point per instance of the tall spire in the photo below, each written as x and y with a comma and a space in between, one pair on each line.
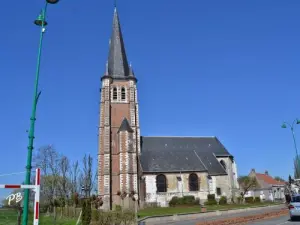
117, 60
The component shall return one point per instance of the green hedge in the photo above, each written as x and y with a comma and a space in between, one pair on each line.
223, 200
257, 199
211, 200
211, 197
112, 217
249, 199
185, 200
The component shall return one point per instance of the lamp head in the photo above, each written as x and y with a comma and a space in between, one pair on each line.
40, 20
283, 125
297, 121
52, 1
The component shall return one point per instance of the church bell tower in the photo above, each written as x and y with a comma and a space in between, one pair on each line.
119, 132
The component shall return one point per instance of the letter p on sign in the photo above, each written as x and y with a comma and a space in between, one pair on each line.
10, 198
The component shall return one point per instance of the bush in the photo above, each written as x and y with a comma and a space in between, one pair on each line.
185, 200
113, 217
189, 199
223, 200
173, 201
249, 199
211, 197
257, 199
211, 202
86, 212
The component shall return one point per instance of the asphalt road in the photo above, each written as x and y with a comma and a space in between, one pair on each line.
277, 221
249, 213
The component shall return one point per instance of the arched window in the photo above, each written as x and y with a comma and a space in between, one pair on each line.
193, 182
123, 94
115, 93
161, 183
223, 164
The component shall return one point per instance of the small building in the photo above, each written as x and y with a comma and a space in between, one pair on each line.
268, 188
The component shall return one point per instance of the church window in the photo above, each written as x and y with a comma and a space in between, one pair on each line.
123, 94
193, 182
115, 93
223, 164
219, 191
161, 183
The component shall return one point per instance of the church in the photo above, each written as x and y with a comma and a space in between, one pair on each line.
151, 170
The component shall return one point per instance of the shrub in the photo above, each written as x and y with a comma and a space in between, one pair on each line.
186, 200
211, 202
257, 199
173, 201
211, 197
249, 199
189, 199
95, 215
118, 208
113, 217
223, 200
86, 212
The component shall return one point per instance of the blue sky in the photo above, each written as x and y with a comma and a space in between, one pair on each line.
205, 68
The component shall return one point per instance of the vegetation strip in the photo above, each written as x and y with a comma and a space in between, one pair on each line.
246, 219
170, 211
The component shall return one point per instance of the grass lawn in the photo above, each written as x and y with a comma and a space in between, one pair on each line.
193, 209
9, 217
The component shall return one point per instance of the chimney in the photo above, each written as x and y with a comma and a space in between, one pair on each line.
266, 172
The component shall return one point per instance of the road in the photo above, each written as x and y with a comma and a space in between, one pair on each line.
284, 220
249, 213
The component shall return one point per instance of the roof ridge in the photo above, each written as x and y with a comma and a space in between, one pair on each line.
182, 136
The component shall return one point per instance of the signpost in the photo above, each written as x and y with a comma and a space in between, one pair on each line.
18, 196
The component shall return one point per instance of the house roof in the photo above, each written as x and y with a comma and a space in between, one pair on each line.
175, 154
201, 144
268, 179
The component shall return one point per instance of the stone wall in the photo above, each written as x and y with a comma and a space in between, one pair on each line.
175, 187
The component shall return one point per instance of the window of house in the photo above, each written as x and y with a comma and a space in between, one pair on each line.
115, 93
161, 183
123, 94
193, 182
219, 191
223, 164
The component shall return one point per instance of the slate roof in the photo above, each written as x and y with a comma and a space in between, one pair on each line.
203, 144
175, 154
117, 66
168, 161
125, 126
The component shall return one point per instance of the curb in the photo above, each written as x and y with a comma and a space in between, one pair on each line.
208, 213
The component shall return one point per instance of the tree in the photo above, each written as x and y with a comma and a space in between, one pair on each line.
48, 159
247, 183
64, 181
279, 179
290, 180
87, 177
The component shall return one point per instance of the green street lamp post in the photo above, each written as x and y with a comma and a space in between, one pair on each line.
291, 126
41, 22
